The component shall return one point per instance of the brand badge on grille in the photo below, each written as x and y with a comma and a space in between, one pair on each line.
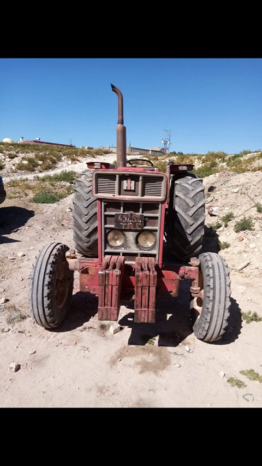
129, 185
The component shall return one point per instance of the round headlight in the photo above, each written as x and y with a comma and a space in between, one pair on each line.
115, 238
146, 239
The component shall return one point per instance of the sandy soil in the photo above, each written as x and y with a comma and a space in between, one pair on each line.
82, 364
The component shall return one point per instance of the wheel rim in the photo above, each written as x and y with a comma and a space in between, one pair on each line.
62, 284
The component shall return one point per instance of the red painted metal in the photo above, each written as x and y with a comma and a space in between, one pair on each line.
104, 165
168, 277
161, 234
99, 229
110, 282
145, 289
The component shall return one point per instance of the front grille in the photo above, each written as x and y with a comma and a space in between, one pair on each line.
141, 187
152, 186
130, 249
106, 184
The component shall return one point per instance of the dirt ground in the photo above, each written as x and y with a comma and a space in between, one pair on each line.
82, 365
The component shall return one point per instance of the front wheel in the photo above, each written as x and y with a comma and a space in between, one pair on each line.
211, 311
51, 286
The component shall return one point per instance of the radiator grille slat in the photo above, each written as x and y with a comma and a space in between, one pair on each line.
106, 184
153, 186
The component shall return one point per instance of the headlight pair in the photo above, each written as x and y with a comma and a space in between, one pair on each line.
144, 239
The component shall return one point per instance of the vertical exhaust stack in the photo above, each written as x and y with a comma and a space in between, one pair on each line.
120, 131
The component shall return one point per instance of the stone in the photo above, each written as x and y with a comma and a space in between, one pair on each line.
240, 238
241, 288
14, 366
21, 254
114, 328
243, 265
3, 300
32, 352
6, 330
222, 374
177, 365
252, 245
235, 190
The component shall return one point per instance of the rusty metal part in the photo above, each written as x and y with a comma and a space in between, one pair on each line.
120, 104
120, 130
70, 254
145, 289
194, 261
194, 289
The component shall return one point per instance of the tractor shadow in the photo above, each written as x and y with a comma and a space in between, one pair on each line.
234, 325
172, 324
12, 218
210, 241
83, 307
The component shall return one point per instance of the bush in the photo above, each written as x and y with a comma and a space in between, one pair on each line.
47, 198
69, 177
226, 218
244, 224
161, 165
259, 207
206, 170
251, 317
223, 245
30, 166
216, 226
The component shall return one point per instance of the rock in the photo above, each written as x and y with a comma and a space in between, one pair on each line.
213, 211
222, 374
252, 245
69, 210
114, 328
32, 352
221, 228
209, 200
243, 265
241, 288
21, 254
11, 258
3, 300
235, 190
240, 238
7, 330
14, 366
187, 349
177, 365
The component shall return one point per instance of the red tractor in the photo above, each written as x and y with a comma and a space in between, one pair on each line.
128, 223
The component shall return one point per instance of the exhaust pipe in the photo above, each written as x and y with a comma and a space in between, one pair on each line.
120, 131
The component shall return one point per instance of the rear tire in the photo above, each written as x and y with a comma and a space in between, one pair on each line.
212, 321
187, 217
85, 217
51, 286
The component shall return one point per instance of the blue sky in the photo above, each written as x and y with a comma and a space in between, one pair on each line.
208, 104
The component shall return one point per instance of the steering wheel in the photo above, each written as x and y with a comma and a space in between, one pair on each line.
138, 160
